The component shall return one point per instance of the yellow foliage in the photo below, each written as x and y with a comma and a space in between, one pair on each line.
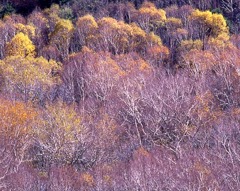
174, 22
220, 41
204, 110
86, 27
137, 32
203, 17
54, 9
199, 61
28, 71
153, 39
187, 45
156, 15
20, 45
61, 116
181, 32
149, 17
219, 25
53, 13
63, 29
115, 34
61, 36
138, 38
157, 52
211, 23
61, 122
87, 23
28, 30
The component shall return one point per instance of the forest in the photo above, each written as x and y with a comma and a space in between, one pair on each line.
119, 95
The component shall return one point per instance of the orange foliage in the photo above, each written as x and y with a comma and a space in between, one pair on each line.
15, 118
88, 179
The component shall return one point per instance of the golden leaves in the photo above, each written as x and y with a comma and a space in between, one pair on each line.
60, 118
28, 30
28, 71
210, 24
205, 109
58, 129
63, 29
114, 36
61, 36
149, 17
20, 45
86, 27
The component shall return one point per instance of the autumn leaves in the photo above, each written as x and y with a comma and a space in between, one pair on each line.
93, 93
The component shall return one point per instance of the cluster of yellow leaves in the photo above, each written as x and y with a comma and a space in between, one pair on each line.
118, 37
59, 119
58, 129
117, 33
173, 22
211, 23
52, 14
157, 53
63, 29
149, 17
205, 109
221, 41
20, 45
187, 45
138, 36
61, 36
28, 71
28, 30
86, 27
153, 39
212, 59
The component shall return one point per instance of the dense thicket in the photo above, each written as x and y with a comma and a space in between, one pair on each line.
119, 95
